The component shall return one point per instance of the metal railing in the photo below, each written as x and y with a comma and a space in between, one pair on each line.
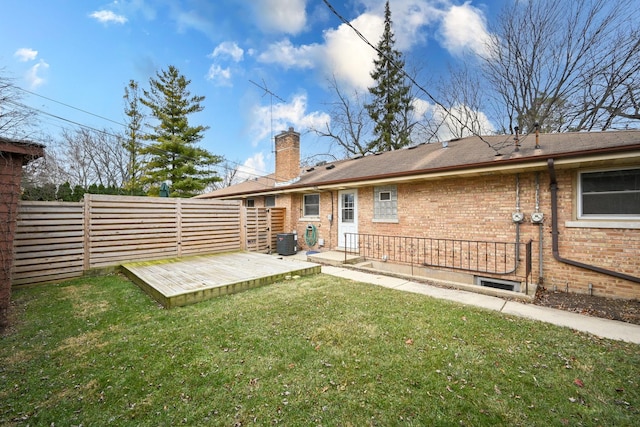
478, 256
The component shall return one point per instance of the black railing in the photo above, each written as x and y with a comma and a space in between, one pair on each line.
468, 255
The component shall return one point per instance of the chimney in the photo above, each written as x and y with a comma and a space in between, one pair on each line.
287, 155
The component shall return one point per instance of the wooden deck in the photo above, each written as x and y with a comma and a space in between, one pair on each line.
178, 282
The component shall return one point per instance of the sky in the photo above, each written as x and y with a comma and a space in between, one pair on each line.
263, 66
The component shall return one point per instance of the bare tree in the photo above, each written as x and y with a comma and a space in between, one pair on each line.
229, 177
15, 118
575, 63
460, 111
93, 157
49, 169
350, 123
133, 140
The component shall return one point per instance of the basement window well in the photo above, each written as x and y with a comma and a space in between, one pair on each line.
505, 285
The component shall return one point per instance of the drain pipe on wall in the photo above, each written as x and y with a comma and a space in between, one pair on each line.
517, 216
554, 234
540, 232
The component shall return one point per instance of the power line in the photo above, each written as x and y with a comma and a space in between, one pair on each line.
222, 167
61, 118
71, 106
102, 131
405, 74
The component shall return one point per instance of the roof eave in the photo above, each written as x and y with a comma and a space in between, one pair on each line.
503, 166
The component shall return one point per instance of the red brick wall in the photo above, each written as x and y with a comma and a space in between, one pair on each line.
10, 175
287, 155
480, 208
615, 249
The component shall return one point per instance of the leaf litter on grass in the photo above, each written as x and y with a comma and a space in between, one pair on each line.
320, 350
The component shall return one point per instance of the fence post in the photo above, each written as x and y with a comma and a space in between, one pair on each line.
243, 227
86, 225
269, 230
178, 227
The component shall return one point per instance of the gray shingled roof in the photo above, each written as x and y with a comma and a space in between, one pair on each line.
462, 154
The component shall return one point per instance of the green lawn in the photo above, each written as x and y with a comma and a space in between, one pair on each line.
311, 351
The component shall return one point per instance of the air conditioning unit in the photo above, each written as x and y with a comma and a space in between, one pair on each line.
286, 244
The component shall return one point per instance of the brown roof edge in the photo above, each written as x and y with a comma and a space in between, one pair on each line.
470, 167
30, 150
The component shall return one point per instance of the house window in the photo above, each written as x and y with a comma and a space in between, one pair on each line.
609, 194
250, 203
385, 203
348, 207
311, 205
269, 201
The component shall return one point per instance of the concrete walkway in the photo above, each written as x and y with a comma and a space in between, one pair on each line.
604, 328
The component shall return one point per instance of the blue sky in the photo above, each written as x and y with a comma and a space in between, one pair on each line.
83, 53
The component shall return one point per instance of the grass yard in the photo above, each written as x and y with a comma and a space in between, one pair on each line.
311, 351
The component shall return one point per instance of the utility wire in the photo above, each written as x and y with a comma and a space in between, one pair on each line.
404, 73
221, 167
105, 132
70, 106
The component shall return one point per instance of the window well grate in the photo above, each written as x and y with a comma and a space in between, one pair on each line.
506, 285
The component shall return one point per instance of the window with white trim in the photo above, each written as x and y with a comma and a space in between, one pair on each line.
385, 203
269, 201
609, 194
311, 205
250, 203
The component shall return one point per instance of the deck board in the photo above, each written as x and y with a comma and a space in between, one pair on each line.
183, 281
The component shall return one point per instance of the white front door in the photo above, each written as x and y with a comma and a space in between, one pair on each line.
348, 219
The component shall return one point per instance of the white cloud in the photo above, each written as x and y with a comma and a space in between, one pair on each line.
34, 77
344, 54
194, 20
220, 76
285, 115
347, 56
410, 17
107, 16
464, 28
25, 54
282, 16
285, 54
230, 49
252, 167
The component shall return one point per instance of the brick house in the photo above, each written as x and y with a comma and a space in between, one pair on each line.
574, 196
13, 155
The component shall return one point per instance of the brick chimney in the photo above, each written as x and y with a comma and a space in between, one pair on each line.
287, 155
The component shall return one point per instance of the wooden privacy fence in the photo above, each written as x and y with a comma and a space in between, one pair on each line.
61, 240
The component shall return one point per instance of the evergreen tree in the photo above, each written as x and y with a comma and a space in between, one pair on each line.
174, 157
65, 193
132, 143
391, 106
78, 193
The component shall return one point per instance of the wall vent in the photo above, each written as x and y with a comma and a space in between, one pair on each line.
505, 285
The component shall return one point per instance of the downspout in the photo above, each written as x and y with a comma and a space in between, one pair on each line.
518, 211
554, 234
540, 231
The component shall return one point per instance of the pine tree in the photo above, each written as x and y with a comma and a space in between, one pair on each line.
391, 104
174, 157
132, 142
65, 192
